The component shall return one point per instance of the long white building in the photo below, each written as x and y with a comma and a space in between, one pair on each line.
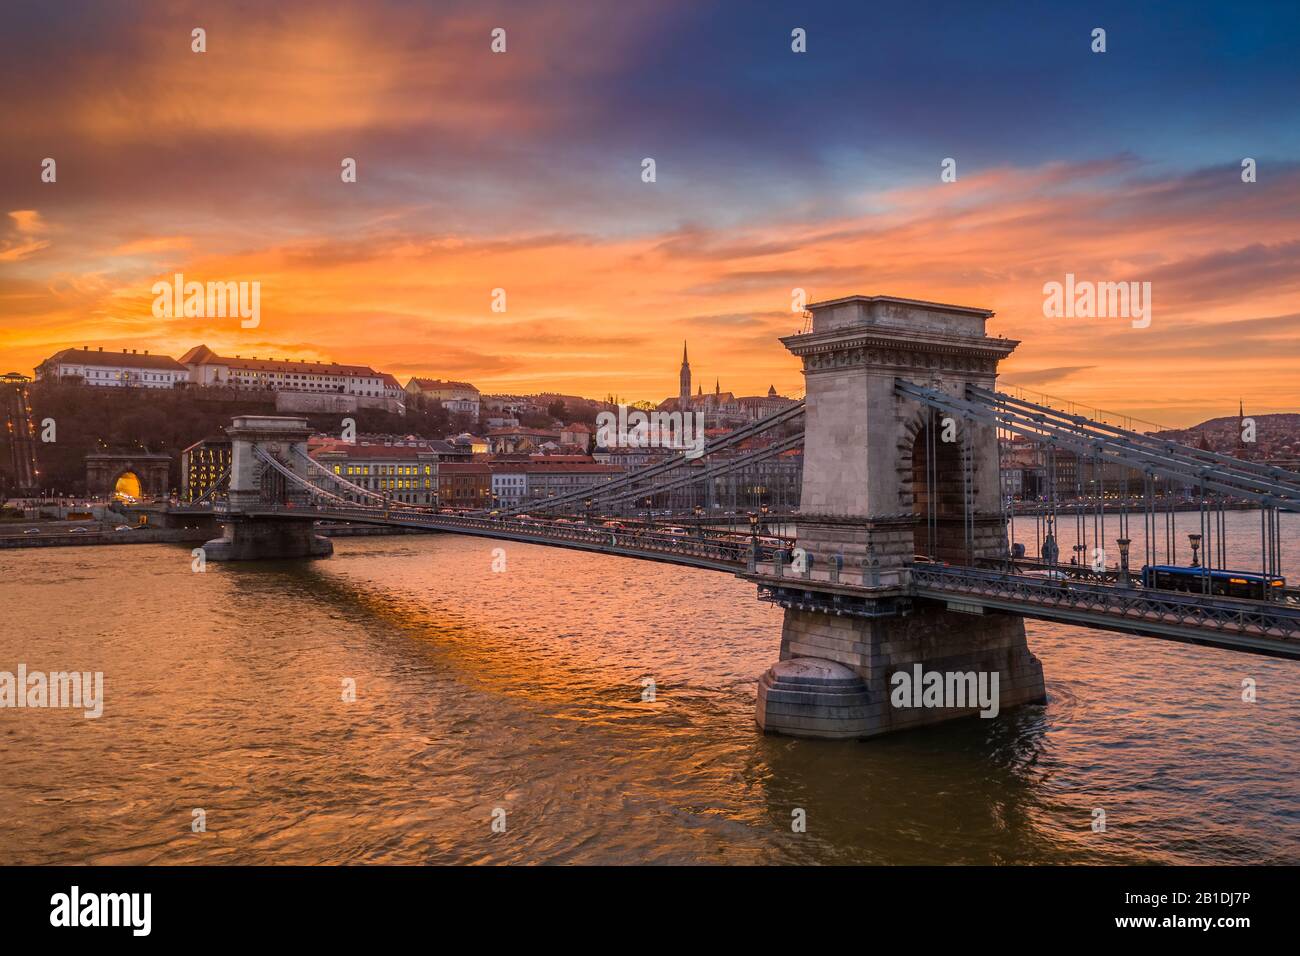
125, 369
208, 368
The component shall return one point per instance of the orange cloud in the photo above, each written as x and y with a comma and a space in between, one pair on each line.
27, 222
597, 314
138, 247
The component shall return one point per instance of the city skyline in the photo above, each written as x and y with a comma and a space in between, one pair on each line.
522, 171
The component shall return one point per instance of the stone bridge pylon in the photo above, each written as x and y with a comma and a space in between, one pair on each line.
887, 479
267, 515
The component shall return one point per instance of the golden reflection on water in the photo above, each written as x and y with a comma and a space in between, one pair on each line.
523, 691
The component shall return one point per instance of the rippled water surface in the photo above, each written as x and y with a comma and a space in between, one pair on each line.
522, 690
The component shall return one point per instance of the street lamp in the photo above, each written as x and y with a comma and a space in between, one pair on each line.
1123, 560
699, 522
1195, 540
588, 503
1050, 550
753, 541
648, 502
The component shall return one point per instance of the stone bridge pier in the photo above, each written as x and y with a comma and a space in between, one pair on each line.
259, 518
887, 479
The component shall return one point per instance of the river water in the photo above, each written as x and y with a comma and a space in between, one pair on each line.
480, 691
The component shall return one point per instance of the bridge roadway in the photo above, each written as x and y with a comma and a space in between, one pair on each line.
712, 553
1260, 627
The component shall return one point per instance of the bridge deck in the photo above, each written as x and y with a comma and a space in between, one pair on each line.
695, 552
1260, 627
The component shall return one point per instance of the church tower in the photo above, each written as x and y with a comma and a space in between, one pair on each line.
1242, 452
684, 394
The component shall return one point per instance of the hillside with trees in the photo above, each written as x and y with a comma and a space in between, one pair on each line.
87, 420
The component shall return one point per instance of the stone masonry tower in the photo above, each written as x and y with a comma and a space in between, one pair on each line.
267, 515
886, 479
866, 450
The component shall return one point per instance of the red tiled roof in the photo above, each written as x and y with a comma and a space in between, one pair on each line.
428, 383
284, 365
531, 432
464, 468
88, 356
542, 466
349, 450
202, 355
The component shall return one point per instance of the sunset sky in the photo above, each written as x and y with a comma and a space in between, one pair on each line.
775, 170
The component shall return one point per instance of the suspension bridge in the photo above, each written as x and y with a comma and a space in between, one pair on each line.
902, 554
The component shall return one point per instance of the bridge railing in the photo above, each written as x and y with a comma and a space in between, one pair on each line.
1215, 612
712, 549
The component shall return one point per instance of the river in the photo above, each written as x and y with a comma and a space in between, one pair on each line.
516, 695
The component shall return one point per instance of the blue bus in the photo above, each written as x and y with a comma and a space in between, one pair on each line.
1243, 584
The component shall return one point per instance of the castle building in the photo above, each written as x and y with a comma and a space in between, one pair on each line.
454, 396
125, 369
208, 368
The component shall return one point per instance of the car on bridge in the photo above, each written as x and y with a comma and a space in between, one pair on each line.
1052, 577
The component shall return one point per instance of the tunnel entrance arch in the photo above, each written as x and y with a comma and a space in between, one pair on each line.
128, 487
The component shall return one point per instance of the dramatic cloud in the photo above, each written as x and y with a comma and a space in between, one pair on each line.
775, 171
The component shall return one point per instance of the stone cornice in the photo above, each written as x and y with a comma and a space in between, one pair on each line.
885, 338
908, 518
898, 350
809, 519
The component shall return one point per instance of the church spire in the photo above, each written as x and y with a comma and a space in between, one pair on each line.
684, 380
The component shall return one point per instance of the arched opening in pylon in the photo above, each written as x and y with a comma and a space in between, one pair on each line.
938, 493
